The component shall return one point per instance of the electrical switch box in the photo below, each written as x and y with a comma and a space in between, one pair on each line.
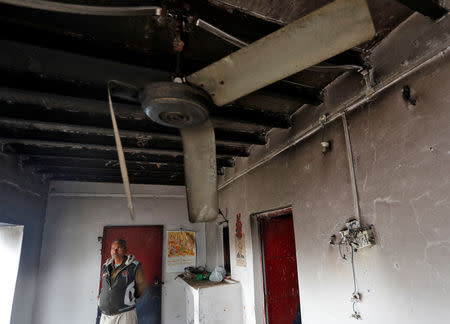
357, 236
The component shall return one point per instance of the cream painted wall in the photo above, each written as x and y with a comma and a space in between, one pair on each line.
70, 258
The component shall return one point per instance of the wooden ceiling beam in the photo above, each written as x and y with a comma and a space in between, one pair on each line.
18, 104
176, 181
30, 129
435, 9
63, 149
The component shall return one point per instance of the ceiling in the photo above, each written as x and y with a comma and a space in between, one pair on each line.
55, 66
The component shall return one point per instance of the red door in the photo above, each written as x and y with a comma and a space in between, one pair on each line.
280, 266
145, 242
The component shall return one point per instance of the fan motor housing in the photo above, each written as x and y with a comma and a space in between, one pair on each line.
175, 104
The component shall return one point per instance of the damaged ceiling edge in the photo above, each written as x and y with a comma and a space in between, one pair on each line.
279, 141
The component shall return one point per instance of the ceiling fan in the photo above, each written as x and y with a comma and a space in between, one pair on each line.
322, 34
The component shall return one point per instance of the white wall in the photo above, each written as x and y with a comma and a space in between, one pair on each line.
70, 259
10, 247
23, 198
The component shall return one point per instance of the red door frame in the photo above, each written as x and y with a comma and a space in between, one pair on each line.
266, 215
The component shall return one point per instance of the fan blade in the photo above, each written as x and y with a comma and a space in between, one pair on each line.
85, 9
309, 40
200, 172
240, 43
121, 155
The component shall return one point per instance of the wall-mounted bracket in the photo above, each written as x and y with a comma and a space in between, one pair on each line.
323, 119
325, 145
368, 80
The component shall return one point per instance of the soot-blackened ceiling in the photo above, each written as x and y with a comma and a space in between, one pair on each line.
55, 66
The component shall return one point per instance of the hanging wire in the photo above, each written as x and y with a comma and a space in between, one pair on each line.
353, 272
323, 121
355, 294
340, 251
178, 45
323, 132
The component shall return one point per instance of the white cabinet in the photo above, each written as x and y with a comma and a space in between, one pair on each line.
213, 303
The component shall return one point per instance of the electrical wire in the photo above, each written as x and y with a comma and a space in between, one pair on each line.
355, 288
355, 294
323, 132
340, 251
353, 272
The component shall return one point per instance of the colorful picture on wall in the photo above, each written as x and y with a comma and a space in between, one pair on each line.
181, 250
239, 243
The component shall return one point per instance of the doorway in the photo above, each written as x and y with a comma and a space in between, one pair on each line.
279, 263
10, 249
146, 243
226, 250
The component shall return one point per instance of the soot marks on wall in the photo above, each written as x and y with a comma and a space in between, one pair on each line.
76, 215
402, 162
23, 202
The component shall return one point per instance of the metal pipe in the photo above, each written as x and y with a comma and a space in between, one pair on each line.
112, 195
84, 9
351, 167
317, 127
220, 33
325, 66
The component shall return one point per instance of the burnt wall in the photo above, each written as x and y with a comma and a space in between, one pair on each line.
402, 164
23, 202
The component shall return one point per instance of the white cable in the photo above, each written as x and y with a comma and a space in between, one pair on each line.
355, 288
